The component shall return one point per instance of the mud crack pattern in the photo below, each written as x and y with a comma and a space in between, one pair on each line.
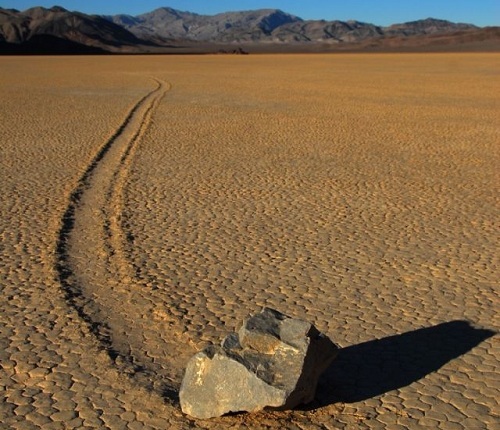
141, 220
93, 268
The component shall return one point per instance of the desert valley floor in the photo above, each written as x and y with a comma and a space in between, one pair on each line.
151, 203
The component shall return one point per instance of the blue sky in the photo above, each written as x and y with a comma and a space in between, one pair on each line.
381, 12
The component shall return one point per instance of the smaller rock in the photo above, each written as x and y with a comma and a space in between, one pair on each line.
273, 362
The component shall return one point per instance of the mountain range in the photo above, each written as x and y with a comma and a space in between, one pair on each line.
56, 30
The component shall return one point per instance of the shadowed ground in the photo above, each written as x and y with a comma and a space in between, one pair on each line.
379, 366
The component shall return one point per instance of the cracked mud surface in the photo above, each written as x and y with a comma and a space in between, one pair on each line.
150, 204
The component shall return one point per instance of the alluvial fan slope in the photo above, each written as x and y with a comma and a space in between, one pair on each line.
150, 204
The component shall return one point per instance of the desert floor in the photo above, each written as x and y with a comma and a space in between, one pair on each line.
150, 204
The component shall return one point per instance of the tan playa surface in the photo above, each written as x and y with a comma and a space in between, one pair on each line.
150, 204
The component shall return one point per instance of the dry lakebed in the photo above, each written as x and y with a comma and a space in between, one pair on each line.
151, 203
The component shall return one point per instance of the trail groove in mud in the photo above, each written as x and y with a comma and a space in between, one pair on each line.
92, 266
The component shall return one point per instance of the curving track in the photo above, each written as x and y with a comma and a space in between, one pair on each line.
93, 269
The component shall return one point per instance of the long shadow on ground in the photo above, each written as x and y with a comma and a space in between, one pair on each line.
376, 367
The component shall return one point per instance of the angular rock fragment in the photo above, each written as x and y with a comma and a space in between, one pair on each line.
274, 361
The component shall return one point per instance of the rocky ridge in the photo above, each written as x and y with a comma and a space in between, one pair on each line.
57, 30
269, 25
39, 29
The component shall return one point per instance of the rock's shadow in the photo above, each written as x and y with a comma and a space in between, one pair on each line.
373, 368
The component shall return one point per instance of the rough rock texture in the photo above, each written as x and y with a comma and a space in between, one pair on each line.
56, 30
273, 362
269, 25
39, 28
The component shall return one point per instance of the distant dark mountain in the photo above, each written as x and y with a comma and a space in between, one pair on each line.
479, 39
58, 30
240, 27
326, 31
268, 25
426, 26
48, 45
